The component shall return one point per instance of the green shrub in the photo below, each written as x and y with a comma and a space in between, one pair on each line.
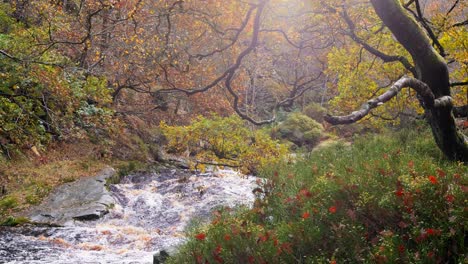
300, 129
315, 111
226, 141
12, 221
7, 203
377, 201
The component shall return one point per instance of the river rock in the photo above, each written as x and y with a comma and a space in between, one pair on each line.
162, 255
82, 200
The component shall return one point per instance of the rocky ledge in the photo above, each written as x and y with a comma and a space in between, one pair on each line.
85, 199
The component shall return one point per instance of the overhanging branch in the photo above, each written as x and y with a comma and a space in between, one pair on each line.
420, 87
458, 84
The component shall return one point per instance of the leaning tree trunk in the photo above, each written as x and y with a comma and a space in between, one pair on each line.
432, 70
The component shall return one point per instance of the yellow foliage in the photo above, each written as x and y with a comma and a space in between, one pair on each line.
361, 76
223, 141
455, 41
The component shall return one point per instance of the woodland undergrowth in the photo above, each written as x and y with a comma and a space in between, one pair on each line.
387, 198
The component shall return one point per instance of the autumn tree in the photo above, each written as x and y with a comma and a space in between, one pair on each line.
258, 57
430, 76
43, 95
430, 73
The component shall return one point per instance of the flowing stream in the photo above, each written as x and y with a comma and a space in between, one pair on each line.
150, 212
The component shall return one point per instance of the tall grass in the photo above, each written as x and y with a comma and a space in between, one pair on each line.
388, 198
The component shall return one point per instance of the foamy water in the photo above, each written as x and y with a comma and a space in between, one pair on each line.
151, 213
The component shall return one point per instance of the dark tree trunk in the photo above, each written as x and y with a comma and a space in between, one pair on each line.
432, 70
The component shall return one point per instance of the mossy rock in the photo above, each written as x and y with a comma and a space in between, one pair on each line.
315, 111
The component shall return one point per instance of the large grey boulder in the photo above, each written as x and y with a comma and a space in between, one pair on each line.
85, 199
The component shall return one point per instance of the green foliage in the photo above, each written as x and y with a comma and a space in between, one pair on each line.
299, 129
223, 141
6, 21
315, 111
39, 101
377, 201
7, 203
36, 191
13, 221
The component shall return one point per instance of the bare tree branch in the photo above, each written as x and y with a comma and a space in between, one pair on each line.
463, 23
26, 60
285, 36
420, 17
453, 7
232, 70
458, 84
234, 39
409, 3
385, 57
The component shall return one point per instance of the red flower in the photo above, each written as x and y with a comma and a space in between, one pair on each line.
433, 179
227, 237
332, 209
401, 248
200, 236
450, 198
411, 164
332, 261
399, 192
306, 215
251, 259
432, 232
216, 253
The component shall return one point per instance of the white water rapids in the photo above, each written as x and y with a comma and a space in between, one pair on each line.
151, 213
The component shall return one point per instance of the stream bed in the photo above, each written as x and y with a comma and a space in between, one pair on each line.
147, 212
